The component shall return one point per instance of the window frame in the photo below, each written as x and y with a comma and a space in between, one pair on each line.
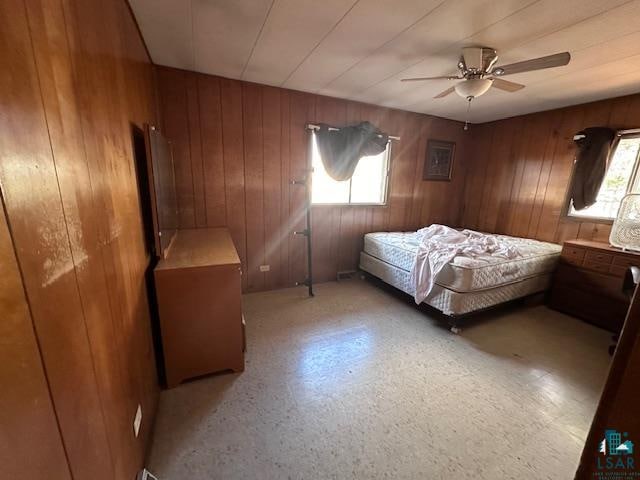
635, 177
387, 180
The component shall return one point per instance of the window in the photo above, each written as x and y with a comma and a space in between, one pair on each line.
621, 178
368, 186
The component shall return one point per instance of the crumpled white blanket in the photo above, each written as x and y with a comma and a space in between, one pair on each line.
440, 244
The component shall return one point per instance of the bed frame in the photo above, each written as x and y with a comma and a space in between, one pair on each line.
454, 320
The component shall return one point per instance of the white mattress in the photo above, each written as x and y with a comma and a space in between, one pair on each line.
465, 274
451, 302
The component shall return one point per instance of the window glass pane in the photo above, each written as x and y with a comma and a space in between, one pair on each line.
616, 181
324, 188
367, 183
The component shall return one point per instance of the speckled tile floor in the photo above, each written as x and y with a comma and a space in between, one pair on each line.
357, 383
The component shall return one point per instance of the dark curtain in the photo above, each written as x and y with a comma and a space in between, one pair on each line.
591, 165
342, 149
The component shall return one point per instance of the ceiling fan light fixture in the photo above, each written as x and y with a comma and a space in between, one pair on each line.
473, 87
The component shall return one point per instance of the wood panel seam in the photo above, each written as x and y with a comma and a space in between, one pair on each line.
69, 246
33, 329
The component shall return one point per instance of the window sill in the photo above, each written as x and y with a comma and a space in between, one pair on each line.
577, 218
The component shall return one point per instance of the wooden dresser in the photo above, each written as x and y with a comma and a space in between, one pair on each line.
588, 283
198, 288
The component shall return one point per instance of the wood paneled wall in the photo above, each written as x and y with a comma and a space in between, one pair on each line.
238, 145
76, 79
520, 168
26, 410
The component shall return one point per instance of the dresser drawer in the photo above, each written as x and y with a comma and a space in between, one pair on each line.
596, 266
599, 257
621, 264
625, 262
590, 281
618, 271
572, 255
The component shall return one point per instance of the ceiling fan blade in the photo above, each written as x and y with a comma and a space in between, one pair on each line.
506, 85
445, 93
419, 79
550, 61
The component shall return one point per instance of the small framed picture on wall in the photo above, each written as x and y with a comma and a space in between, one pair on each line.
438, 163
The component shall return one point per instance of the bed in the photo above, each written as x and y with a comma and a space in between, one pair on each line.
465, 285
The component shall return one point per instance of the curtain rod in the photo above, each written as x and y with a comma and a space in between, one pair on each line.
619, 133
311, 126
625, 132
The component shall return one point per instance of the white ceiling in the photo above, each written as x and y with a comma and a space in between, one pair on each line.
360, 49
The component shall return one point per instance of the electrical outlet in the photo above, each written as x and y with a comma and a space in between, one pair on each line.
265, 268
137, 421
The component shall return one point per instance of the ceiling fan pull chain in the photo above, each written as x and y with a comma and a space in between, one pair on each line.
466, 122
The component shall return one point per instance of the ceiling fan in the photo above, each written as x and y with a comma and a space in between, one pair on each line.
476, 68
